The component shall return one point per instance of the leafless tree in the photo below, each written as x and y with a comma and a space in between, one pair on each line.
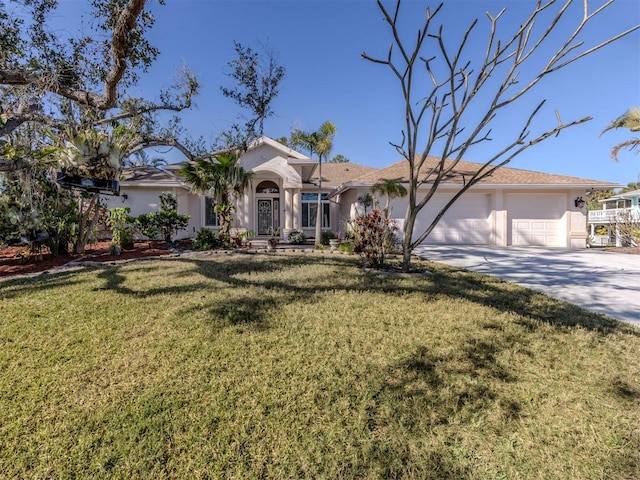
626, 226
437, 118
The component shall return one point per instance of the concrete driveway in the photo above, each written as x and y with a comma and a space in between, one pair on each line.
603, 282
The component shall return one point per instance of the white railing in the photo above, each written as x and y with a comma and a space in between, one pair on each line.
613, 215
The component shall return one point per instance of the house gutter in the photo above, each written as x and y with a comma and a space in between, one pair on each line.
479, 186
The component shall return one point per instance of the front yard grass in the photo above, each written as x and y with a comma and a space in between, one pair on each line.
309, 366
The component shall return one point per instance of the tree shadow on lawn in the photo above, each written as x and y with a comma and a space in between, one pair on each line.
430, 395
532, 306
240, 313
249, 312
238, 271
455, 385
46, 281
443, 394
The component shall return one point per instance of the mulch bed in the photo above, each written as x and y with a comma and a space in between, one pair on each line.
17, 261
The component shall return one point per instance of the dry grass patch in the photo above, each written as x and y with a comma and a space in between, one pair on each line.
308, 366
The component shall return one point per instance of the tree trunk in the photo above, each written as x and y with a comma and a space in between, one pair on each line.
406, 240
319, 212
83, 229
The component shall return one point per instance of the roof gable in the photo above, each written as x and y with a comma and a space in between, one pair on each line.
284, 151
621, 196
334, 174
148, 175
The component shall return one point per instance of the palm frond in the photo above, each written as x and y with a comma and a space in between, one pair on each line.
630, 145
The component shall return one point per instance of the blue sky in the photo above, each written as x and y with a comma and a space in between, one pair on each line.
320, 43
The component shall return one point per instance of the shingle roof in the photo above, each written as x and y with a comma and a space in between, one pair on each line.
334, 174
502, 176
629, 194
146, 174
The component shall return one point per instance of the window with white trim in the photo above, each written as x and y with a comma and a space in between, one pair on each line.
210, 217
309, 208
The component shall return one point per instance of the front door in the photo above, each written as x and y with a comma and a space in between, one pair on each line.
268, 215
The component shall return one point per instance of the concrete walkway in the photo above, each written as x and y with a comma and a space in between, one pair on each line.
603, 282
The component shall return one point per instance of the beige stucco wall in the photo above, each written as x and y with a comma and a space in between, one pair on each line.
147, 200
577, 227
572, 221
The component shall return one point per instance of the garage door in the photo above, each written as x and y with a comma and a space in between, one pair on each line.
536, 219
467, 222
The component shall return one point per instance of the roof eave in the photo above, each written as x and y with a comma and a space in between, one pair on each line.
539, 186
152, 184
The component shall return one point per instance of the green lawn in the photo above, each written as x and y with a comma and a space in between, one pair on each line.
308, 366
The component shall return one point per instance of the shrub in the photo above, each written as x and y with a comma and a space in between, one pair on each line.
346, 247
147, 225
372, 236
297, 237
121, 225
601, 230
206, 240
167, 222
325, 236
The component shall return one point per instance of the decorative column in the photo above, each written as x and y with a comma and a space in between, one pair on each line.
295, 211
288, 207
500, 220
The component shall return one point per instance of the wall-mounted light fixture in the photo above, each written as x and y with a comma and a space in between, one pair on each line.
579, 202
124, 197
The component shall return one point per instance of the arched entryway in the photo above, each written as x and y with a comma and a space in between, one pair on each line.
267, 207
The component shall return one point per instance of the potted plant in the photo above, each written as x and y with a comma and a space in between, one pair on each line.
246, 236
297, 237
274, 239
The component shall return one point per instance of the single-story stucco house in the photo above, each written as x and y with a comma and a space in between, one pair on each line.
512, 207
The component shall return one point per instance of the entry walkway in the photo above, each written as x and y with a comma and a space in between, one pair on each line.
603, 282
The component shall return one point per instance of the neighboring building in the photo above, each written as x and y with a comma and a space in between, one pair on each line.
512, 207
617, 210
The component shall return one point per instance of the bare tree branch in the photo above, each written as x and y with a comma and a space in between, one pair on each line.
28, 113
453, 94
147, 141
119, 43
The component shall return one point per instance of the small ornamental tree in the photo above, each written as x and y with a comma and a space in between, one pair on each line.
373, 236
168, 222
120, 222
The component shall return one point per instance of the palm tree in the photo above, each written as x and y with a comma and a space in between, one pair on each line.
366, 200
220, 178
142, 158
320, 142
392, 188
631, 120
339, 159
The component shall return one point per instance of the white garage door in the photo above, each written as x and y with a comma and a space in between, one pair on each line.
467, 222
536, 219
